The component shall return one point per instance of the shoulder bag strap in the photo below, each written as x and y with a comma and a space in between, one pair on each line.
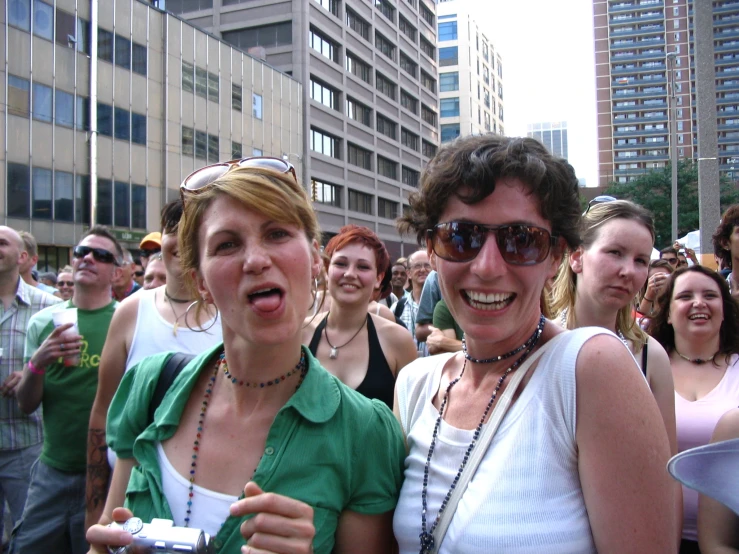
486, 437
170, 371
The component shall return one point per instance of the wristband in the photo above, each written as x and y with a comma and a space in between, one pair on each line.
33, 369
648, 300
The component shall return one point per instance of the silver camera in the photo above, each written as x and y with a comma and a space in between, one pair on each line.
161, 536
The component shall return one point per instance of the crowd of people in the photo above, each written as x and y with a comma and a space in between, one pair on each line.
517, 384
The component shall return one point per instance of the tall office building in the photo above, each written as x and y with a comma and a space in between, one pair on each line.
470, 74
124, 100
632, 39
551, 135
370, 95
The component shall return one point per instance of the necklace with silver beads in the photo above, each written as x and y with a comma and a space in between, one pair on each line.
531, 340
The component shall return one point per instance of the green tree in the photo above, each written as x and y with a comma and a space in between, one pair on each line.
653, 190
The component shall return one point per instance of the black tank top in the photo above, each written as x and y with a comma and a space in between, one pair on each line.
379, 382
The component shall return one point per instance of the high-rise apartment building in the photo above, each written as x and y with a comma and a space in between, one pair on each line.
551, 135
370, 95
470, 74
124, 100
632, 40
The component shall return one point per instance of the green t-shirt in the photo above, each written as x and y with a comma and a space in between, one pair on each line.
443, 319
69, 391
329, 447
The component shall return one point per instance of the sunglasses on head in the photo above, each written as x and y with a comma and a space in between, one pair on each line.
602, 199
65, 283
99, 254
198, 181
461, 241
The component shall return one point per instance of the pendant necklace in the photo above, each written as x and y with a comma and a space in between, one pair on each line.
696, 361
175, 299
335, 349
176, 324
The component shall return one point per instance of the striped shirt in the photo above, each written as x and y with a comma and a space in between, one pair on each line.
18, 430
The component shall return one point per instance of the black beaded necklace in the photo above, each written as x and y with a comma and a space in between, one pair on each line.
426, 535
531, 340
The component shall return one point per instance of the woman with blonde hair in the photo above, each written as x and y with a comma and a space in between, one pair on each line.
254, 442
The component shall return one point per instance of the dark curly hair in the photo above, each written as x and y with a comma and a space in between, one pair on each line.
722, 236
729, 333
470, 168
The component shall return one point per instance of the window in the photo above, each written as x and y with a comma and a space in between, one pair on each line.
122, 204
325, 193
409, 139
448, 56
428, 149
448, 31
256, 105
42, 102
213, 87
236, 97
41, 193
63, 196
323, 94
407, 28
408, 65
19, 15
201, 82
428, 115
82, 199
358, 68
66, 29
138, 206
83, 36
82, 117
331, 5
122, 124
410, 176
323, 143
18, 96
386, 9
188, 141
64, 108
385, 86
323, 46
387, 208
138, 128
257, 152
357, 24
356, 155
409, 102
236, 150
448, 81
138, 64
43, 20
427, 14
360, 202
213, 149
428, 48
428, 81
385, 46
18, 199
387, 127
188, 77
449, 132
358, 112
449, 107
276, 34
105, 202
201, 145
105, 120
122, 52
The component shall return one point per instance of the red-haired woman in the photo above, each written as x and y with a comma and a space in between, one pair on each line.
364, 350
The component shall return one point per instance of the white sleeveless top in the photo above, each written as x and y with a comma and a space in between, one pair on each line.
525, 497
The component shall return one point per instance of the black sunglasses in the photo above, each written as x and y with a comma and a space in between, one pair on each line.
199, 180
461, 241
99, 254
138, 273
146, 252
65, 283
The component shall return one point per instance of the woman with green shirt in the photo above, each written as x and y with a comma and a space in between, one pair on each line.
255, 443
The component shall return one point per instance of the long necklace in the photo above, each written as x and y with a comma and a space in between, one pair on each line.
697, 361
426, 535
531, 340
335, 349
563, 319
298, 368
203, 410
175, 299
174, 314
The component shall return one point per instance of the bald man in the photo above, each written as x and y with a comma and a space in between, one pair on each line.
21, 435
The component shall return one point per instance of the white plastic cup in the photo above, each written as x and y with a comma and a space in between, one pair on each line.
62, 317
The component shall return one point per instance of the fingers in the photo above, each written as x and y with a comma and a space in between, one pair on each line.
101, 536
10, 384
258, 501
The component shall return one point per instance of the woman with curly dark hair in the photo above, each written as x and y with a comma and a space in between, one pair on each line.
698, 325
726, 246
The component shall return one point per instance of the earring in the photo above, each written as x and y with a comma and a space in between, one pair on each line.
201, 329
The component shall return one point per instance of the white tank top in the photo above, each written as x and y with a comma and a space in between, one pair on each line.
525, 497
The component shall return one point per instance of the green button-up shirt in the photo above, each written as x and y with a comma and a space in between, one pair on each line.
329, 447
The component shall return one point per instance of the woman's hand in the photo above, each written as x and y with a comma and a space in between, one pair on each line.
101, 536
656, 285
281, 525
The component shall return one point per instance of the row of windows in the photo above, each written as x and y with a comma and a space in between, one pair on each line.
124, 53
201, 145
206, 85
331, 195
121, 124
63, 108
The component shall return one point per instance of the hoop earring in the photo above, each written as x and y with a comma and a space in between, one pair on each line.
200, 330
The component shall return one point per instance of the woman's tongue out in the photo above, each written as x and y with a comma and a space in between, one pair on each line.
266, 301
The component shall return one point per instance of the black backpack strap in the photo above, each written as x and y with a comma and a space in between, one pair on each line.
169, 373
644, 360
400, 306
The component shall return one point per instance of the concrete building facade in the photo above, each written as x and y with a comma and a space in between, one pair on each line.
370, 95
632, 40
470, 74
108, 105
552, 135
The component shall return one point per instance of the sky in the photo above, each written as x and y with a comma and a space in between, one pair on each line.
548, 69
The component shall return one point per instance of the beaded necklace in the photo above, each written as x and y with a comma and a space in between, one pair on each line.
277, 381
427, 534
513, 352
302, 366
697, 361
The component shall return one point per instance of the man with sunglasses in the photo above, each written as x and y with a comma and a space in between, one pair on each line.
669, 254
53, 518
149, 245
